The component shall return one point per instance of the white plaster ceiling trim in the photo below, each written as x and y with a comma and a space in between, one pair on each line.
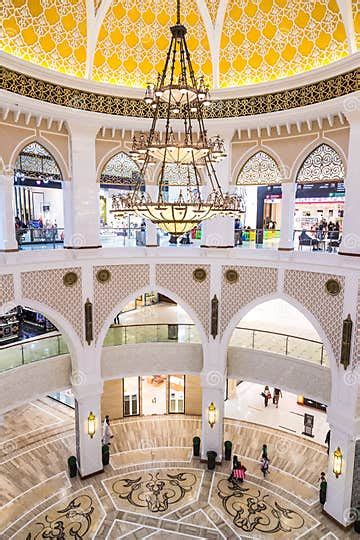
345, 7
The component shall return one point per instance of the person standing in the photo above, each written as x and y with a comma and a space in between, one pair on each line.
327, 441
107, 433
264, 451
323, 489
277, 396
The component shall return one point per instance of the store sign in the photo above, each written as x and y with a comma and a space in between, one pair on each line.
326, 190
308, 425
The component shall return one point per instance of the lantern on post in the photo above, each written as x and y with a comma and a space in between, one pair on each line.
212, 414
91, 424
338, 462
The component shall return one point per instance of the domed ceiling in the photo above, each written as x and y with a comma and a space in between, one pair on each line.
233, 42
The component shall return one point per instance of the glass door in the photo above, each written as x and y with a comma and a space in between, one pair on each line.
177, 394
131, 391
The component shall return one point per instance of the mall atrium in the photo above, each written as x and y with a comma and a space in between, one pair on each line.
179, 269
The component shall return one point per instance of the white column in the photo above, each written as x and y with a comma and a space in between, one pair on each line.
151, 229
344, 425
7, 223
219, 232
88, 450
213, 391
288, 190
350, 244
82, 192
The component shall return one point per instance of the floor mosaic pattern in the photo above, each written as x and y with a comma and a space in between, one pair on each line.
154, 487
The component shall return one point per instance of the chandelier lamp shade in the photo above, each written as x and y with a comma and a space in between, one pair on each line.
183, 97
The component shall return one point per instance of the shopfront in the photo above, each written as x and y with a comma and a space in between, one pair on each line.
152, 395
38, 198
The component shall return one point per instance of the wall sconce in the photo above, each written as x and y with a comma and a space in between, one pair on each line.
91, 425
338, 462
212, 414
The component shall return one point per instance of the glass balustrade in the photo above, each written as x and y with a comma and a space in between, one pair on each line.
26, 352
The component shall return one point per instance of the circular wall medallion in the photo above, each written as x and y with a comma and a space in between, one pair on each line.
333, 287
231, 276
199, 274
70, 278
103, 275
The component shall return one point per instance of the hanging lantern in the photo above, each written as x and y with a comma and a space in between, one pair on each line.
338, 462
212, 414
91, 425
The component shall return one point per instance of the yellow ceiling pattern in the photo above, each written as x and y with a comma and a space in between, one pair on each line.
356, 14
213, 6
263, 40
134, 38
50, 33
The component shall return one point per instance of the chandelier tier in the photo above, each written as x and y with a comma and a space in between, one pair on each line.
184, 98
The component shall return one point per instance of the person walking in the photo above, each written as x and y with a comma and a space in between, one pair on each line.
265, 465
107, 433
235, 466
277, 396
266, 395
323, 489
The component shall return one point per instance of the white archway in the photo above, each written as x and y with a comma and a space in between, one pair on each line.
294, 303
162, 290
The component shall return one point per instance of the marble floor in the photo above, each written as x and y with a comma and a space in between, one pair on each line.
154, 487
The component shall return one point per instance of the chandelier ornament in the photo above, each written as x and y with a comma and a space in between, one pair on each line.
184, 98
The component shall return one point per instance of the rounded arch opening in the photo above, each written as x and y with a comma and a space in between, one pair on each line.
31, 332
187, 316
297, 322
38, 197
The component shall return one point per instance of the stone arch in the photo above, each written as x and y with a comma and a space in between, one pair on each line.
108, 157
142, 290
49, 147
294, 303
311, 147
62, 324
250, 154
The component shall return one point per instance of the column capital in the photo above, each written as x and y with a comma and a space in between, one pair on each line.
83, 129
352, 108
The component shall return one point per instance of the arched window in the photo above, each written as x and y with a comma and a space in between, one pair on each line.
35, 162
178, 175
120, 170
261, 169
322, 165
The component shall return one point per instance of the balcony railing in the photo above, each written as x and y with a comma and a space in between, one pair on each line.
53, 238
40, 348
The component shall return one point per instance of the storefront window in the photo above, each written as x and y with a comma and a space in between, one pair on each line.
131, 396
323, 165
260, 169
176, 394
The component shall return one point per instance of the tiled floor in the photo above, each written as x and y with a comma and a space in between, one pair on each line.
153, 487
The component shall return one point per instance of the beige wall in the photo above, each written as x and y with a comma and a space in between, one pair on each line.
193, 395
112, 399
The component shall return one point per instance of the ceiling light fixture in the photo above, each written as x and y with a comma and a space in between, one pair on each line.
182, 97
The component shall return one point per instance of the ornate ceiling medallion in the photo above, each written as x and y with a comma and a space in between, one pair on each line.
181, 96
333, 287
103, 275
231, 276
199, 274
70, 279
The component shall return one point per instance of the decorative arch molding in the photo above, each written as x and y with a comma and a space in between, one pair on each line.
49, 147
252, 152
244, 310
58, 320
310, 148
121, 148
162, 290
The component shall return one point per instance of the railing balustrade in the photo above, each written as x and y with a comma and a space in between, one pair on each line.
17, 354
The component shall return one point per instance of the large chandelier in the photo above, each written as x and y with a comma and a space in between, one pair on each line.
183, 97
